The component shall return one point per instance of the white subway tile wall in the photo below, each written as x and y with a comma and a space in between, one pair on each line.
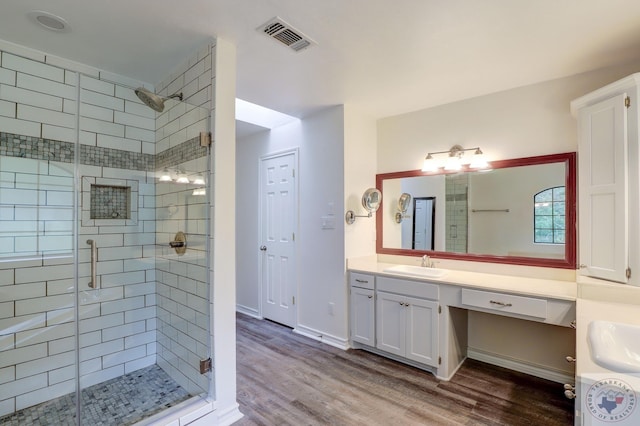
182, 291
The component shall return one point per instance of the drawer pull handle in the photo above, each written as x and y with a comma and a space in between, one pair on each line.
358, 280
505, 305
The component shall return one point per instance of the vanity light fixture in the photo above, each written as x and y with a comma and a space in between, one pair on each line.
455, 160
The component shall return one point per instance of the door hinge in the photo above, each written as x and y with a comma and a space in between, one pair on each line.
628, 273
293, 172
205, 365
293, 236
439, 309
293, 300
439, 360
627, 102
205, 139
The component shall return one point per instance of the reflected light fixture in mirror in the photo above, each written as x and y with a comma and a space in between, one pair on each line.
165, 176
455, 160
199, 180
181, 177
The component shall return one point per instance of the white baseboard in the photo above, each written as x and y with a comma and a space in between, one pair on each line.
520, 366
252, 312
322, 337
219, 417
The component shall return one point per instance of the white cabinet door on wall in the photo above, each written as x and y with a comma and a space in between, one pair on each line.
363, 316
390, 323
408, 327
603, 190
422, 331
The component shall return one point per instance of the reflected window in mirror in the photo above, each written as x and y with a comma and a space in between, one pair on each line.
549, 216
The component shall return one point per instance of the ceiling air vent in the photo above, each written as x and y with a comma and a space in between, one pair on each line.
281, 31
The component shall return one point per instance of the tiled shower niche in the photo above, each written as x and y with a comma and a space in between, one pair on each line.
108, 201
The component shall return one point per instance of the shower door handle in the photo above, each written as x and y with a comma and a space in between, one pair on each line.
94, 259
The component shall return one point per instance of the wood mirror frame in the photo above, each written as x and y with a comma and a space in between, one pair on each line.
569, 260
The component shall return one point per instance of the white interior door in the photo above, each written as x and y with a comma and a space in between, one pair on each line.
278, 223
423, 224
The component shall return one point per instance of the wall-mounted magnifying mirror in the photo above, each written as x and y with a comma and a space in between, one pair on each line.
371, 200
403, 205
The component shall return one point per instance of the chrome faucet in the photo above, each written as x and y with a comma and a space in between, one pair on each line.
426, 261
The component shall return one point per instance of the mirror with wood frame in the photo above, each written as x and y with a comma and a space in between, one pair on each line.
521, 211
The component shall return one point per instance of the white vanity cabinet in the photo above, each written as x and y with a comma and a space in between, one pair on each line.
608, 181
407, 320
363, 318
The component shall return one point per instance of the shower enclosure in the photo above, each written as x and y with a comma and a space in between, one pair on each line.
104, 292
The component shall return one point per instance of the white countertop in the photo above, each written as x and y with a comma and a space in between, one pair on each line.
555, 289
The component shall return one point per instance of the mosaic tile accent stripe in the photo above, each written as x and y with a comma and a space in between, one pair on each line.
37, 148
115, 158
124, 400
12, 145
186, 151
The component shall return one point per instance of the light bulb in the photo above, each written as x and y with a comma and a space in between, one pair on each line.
478, 161
199, 180
429, 164
453, 163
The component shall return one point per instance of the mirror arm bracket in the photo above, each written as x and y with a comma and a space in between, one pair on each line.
350, 216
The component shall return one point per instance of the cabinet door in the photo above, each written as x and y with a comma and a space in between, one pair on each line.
390, 323
422, 331
362, 316
603, 204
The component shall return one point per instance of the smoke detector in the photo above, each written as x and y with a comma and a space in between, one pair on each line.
279, 30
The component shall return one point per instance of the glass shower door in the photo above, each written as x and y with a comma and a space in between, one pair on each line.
143, 305
37, 280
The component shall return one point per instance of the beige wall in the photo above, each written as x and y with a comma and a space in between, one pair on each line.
522, 122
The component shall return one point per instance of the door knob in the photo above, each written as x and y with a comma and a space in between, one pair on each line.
263, 248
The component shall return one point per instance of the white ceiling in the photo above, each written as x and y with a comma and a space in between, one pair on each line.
385, 56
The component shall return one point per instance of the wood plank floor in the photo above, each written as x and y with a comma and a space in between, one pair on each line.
288, 379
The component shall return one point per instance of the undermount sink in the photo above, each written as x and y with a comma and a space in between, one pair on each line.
417, 271
615, 346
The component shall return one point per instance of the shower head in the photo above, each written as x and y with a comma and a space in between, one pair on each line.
153, 101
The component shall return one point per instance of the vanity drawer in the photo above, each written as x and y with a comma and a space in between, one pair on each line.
505, 303
410, 288
357, 279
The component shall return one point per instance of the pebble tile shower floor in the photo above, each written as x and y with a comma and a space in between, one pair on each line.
121, 401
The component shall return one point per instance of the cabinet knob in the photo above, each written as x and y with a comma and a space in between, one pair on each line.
263, 248
570, 358
570, 394
370, 297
